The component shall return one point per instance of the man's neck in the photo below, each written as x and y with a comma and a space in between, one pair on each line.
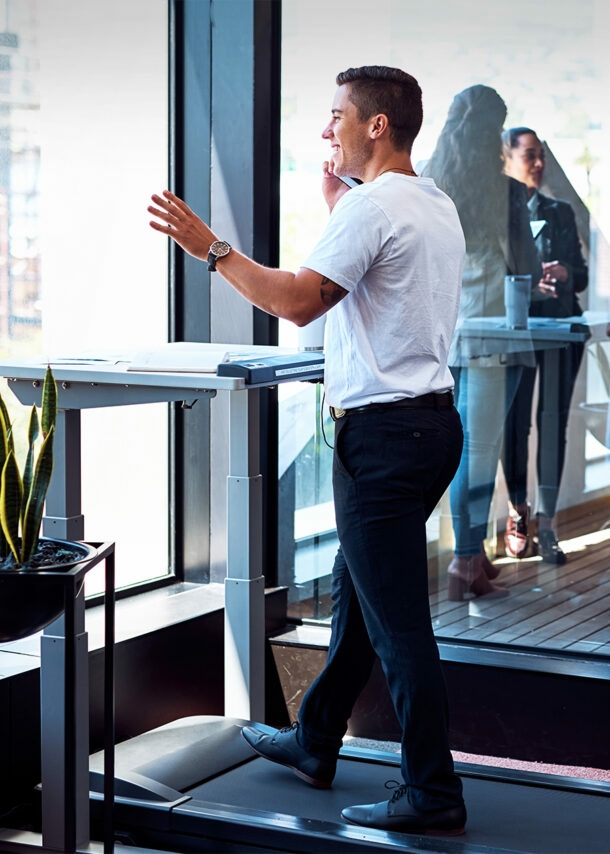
400, 164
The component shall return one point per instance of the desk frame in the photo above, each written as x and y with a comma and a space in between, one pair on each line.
85, 387
546, 335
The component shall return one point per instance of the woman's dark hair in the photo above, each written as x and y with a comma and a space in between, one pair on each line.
379, 89
510, 137
467, 161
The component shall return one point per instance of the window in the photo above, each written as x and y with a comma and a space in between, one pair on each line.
83, 143
559, 89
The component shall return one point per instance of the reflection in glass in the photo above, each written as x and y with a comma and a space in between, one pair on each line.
308, 540
565, 275
487, 356
561, 91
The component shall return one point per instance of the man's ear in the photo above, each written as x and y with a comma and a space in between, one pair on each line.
378, 125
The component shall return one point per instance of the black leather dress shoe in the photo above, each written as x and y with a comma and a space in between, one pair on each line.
398, 814
283, 747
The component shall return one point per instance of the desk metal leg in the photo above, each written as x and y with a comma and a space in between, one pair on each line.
109, 723
64, 519
549, 437
64, 703
245, 584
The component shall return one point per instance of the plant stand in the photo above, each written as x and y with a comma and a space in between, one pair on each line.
64, 714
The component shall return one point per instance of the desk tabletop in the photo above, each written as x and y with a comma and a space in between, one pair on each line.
539, 329
113, 370
172, 372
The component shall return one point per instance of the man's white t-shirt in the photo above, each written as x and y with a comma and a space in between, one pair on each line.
397, 246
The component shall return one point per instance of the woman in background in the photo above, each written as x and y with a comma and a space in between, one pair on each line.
565, 275
467, 165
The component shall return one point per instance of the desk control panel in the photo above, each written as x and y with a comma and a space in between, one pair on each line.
272, 369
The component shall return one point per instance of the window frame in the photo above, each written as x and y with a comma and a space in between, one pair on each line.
225, 163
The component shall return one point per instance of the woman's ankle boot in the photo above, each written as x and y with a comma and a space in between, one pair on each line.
467, 575
490, 569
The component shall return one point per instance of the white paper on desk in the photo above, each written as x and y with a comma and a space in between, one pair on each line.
68, 361
193, 357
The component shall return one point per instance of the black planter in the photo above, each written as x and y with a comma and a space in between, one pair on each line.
31, 598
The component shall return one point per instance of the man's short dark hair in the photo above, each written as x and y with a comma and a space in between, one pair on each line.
379, 89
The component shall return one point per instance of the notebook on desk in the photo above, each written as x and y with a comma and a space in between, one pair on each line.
195, 357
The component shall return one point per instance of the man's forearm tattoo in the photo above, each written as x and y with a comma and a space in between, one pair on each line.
330, 292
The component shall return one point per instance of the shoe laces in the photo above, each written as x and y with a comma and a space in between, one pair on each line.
398, 789
294, 725
548, 539
520, 523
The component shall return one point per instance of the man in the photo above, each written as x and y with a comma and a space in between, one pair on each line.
388, 270
564, 276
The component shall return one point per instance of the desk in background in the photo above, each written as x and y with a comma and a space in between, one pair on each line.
483, 336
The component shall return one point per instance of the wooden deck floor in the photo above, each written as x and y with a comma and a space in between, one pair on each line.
552, 607
549, 607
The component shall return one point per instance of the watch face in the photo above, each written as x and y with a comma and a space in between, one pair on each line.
220, 248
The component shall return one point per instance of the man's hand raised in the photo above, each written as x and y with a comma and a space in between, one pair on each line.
180, 223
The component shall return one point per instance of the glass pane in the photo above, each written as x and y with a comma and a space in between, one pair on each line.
559, 91
308, 539
83, 140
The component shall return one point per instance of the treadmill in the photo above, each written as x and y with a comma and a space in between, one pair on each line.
195, 785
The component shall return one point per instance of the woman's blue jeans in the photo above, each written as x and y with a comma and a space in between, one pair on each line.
391, 467
483, 398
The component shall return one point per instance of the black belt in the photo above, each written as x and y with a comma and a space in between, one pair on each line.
424, 401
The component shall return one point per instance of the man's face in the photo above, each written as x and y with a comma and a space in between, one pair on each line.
525, 162
348, 136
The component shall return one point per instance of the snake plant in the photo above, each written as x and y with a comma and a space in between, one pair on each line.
22, 495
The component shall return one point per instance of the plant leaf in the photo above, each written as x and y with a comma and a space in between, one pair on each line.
11, 489
7, 429
4, 442
4, 450
32, 516
49, 402
28, 471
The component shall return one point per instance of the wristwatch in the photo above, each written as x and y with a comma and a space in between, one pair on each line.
218, 249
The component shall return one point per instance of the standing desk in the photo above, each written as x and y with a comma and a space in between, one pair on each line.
105, 382
490, 335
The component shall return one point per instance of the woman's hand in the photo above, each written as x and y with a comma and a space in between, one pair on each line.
553, 271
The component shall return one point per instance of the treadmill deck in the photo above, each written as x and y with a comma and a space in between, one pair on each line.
207, 791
